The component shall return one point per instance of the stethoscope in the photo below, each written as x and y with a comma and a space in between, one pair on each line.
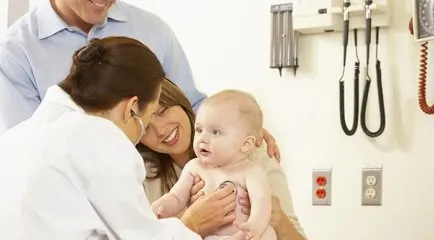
225, 183
368, 78
365, 129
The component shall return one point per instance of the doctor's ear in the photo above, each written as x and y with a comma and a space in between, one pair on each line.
249, 144
131, 108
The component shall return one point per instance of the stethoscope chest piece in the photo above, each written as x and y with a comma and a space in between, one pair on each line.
225, 183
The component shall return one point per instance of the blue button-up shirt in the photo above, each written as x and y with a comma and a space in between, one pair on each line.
36, 53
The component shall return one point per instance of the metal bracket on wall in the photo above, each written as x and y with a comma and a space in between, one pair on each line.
284, 40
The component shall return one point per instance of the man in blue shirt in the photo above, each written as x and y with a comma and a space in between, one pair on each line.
36, 51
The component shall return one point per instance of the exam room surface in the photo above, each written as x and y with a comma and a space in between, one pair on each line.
227, 43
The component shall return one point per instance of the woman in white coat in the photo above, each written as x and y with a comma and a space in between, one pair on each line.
71, 171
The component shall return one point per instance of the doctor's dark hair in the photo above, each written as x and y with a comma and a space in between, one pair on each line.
108, 70
160, 165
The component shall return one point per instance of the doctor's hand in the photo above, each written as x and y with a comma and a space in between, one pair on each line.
272, 148
211, 212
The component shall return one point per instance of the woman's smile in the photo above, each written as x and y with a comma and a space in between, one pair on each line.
173, 137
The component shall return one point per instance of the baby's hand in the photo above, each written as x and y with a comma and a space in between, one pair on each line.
249, 232
155, 207
159, 211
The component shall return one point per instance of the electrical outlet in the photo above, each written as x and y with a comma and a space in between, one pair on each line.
372, 186
321, 187
370, 193
371, 180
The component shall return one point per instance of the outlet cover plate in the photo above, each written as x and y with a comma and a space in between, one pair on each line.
372, 182
322, 187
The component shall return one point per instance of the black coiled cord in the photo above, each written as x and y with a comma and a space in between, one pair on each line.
345, 128
366, 92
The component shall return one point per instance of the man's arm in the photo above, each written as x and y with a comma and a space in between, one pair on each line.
173, 202
18, 95
178, 70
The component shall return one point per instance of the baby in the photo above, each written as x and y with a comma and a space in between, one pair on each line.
227, 125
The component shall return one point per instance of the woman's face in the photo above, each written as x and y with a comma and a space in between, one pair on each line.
169, 131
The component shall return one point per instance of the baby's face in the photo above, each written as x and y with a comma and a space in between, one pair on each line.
219, 134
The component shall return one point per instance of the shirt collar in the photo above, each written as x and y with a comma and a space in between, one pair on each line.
116, 13
57, 95
49, 23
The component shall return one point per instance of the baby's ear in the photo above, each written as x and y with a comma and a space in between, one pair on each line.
249, 144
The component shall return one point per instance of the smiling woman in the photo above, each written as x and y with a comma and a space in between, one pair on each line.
164, 135
169, 137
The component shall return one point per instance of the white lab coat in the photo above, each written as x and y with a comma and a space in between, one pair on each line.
65, 174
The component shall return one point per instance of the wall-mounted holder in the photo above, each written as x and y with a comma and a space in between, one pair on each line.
284, 40
315, 17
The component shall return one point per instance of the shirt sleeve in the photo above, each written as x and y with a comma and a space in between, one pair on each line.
116, 193
178, 70
18, 95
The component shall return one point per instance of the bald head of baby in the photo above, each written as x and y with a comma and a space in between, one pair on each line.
240, 105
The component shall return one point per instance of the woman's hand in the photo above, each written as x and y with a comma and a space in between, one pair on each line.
272, 148
277, 214
211, 212
284, 228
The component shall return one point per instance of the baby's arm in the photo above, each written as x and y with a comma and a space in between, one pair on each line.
259, 191
173, 202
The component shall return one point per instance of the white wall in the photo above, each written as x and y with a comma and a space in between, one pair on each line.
227, 43
3, 16
17, 8
10, 11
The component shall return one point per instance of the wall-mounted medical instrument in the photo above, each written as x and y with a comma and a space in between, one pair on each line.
321, 16
380, 130
346, 30
284, 41
422, 27
313, 17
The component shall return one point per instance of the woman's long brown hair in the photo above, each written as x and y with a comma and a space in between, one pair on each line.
160, 165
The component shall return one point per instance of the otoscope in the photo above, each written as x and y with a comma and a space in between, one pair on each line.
380, 130
347, 4
344, 126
